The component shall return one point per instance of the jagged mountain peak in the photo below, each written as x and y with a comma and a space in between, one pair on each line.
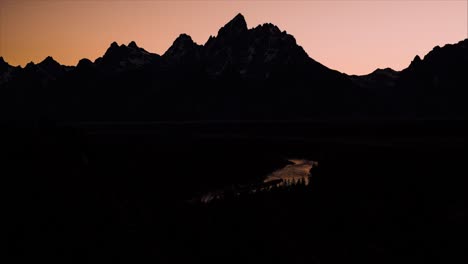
269, 27
119, 57
252, 52
115, 48
183, 48
30, 65
416, 61
440, 57
236, 26
447, 49
184, 38
133, 44
114, 45
51, 68
49, 61
182, 42
239, 20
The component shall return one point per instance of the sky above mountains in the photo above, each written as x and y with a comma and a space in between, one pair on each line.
354, 37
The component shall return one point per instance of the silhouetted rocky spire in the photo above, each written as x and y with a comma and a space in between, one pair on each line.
49, 61
416, 61
234, 27
182, 47
113, 48
132, 44
114, 45
184, 51
181, 42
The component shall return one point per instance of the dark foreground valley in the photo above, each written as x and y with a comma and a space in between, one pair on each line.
390, 192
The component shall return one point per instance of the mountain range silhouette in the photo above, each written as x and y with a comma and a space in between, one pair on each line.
111, 160
241, 74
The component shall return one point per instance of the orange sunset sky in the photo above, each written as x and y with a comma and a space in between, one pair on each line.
354, 37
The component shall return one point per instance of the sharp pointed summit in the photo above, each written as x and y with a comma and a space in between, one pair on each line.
416, 60
48, 61
183, 48
239, 19
132, 44
183, 40
183, 51
234, 27
51, 67
255, 52
114, 45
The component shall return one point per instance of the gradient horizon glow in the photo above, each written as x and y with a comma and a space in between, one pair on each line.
354, 37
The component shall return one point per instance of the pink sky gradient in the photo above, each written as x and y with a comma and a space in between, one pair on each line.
354, 37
